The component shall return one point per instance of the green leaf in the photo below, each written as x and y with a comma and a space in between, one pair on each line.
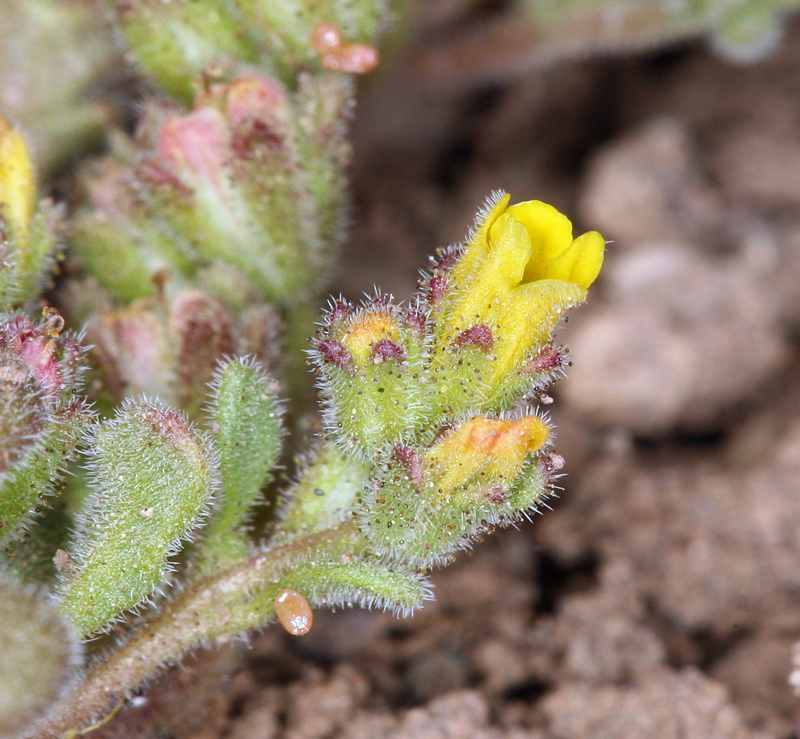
153, 478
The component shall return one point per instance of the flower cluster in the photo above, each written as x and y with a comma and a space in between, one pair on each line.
428, 390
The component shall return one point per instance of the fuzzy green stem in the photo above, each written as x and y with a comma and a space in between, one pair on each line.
235, 600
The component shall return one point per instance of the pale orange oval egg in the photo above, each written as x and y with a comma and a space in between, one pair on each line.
325, 37
293, 612
351, 57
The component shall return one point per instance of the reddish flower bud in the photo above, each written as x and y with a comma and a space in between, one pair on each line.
195, 144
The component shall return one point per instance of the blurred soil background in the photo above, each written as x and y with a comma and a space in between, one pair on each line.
660, 598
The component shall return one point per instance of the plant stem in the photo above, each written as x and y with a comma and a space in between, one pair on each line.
232, 601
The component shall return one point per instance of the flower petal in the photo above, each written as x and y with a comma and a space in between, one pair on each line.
550, 233
581, 263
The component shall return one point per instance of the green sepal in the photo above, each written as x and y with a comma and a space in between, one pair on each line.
117, 260
322, 103
153, 477
35, 261
324, 495
372, 366
9, 291
25, 267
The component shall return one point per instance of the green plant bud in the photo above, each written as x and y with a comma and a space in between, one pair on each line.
430, 503
247, 428
294, 35
38, 656
324, 104
165, 350
325, 494
372, 364
368, 584
242, 195
8, 281
237, 194
111, 252
176, 41
121, 239
35, 262
153, 477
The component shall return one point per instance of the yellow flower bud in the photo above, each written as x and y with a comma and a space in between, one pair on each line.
17, 183
520, 270
495, 447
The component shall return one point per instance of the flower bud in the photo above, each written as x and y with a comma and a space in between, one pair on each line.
429, 503
165, 350
372, 363
241, 196
17, 184
30, 232
177, 40
492, 448
40, 421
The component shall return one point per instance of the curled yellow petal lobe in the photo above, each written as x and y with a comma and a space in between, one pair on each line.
17, 183
550, 233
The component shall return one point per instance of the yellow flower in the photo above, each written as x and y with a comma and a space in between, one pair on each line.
520, 270
495, 447
17, 184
